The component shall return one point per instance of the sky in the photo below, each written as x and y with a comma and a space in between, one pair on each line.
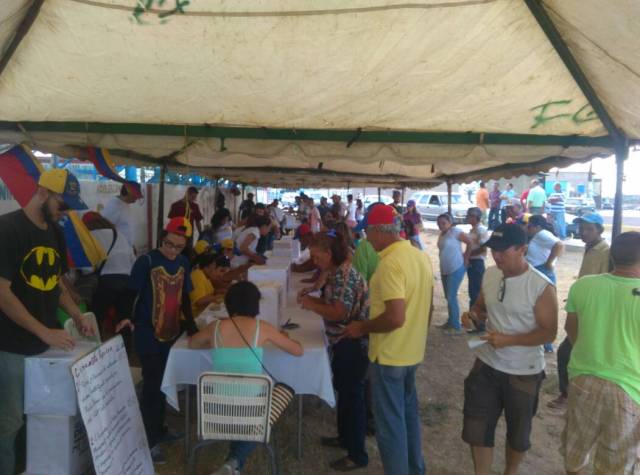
605, 168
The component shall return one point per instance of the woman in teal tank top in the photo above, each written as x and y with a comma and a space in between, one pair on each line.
237, 347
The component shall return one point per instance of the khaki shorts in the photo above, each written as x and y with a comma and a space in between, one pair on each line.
601, 417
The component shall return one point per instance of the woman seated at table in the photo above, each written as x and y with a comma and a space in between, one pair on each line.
210, 269
229, 339
344, 299
247, 240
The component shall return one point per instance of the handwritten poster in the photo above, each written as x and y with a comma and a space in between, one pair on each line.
110, 411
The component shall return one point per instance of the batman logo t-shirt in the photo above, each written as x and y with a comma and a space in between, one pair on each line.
33, 260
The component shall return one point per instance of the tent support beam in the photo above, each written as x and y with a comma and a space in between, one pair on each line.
21, 32
160, 227
320, 135
620, 141
555, 38
622, 153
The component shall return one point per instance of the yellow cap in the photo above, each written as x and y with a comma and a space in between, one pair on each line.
53, 180
201, 247
227, 243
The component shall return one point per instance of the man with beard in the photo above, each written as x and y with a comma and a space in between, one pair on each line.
32, 260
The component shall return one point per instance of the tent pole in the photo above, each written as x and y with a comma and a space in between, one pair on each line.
449, 187
22, 31
402, 203
379, 194
622, 152
160, 227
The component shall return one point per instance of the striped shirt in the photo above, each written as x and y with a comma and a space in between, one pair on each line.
558, 206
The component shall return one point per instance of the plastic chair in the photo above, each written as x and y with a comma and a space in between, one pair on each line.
234, 407
70, 328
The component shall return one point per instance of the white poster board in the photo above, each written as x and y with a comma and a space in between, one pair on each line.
110, 411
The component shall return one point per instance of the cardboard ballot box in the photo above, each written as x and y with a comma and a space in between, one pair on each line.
57, 445
269, 273
282, 248
48, 384
272, 301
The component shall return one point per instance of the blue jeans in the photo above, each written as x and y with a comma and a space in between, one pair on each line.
559, 224
395, 407
475, 272
11, 407
548, 347
451, 284
494, 218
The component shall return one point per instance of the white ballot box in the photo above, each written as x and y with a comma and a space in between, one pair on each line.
48, 385
282, 248
295, 249
272, 301
270, 272
57, 445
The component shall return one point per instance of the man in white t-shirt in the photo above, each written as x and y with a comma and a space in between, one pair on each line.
478, 235
118, 210
351, 211
520, 309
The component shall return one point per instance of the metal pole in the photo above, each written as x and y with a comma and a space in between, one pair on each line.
379, 194
449, 186
402, 203
159, 224
622, 152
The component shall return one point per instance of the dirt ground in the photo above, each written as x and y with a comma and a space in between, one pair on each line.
440, 388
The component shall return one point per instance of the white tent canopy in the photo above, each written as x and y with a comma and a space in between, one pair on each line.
297, 91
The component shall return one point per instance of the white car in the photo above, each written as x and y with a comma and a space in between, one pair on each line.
431, 204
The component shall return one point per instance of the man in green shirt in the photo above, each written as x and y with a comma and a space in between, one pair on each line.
603, 324
536, 198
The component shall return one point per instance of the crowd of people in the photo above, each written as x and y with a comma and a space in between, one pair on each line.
371, 282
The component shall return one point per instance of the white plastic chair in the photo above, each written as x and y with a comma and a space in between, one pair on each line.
234, 407
71, 329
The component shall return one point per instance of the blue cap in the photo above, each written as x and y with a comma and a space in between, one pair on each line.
71, 194
592, 218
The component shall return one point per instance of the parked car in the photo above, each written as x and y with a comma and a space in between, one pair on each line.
607, 204
431, 204
573, 230
579, 206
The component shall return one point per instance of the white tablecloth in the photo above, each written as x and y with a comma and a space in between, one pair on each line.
307, 374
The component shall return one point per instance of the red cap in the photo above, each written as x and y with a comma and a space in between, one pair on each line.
179, 225
304, 229
381, 214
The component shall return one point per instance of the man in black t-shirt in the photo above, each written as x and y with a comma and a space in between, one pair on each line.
247, 207
32, 260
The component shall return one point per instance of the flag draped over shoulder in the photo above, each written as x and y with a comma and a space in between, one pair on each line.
102, 161
20, 171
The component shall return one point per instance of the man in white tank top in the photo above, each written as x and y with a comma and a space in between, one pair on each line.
520, 308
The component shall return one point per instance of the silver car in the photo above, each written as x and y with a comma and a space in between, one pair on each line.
432, 204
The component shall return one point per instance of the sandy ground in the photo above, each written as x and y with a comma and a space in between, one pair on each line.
440, 388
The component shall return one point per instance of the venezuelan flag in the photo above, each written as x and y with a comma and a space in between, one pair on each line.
83, 250
102, 161
20, 171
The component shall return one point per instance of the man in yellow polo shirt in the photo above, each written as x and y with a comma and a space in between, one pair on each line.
401, 293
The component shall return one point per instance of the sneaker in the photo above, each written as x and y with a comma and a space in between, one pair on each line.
453, 332
230, 467
157, 455
558, 403
444, 326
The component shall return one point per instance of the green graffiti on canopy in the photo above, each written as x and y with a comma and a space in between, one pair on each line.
554, 110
